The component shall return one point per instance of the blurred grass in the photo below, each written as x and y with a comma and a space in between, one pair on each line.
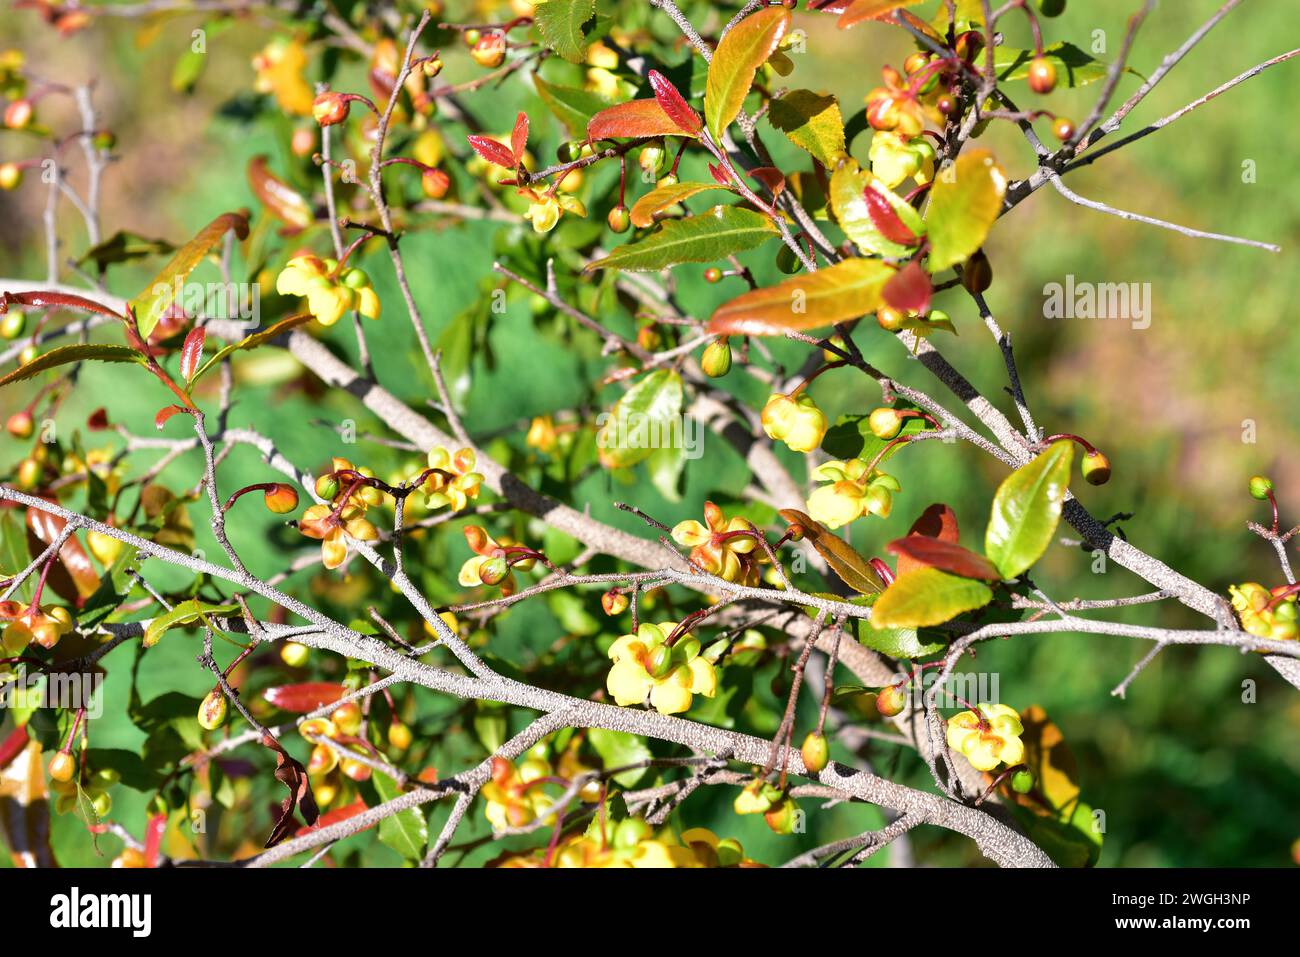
1185, 772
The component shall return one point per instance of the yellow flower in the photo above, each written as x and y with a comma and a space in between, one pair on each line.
794, 420
895, 158
989, 737
852, 492
453, 481
1265, 614
719, 546
512, 800
328, 297
644, 664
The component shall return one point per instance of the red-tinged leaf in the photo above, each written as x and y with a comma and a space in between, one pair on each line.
945, 556
293, 776
280, 199
674, 105
937, 521
492, 151
192, 352
909, 289
773, 179
338, 816
74, 578
519, 136
719, 175
854, 570
660, 198
49, 299
152, 303
97, 421
886, 220
632, 120
302, 698
165, 413
843, 291
859, 10
153, 835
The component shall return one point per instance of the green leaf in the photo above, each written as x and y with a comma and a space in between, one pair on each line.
14, 553
406, 832
189, 67
123, 247
965, 202
116, 583
661, 197
572, 106
258, 338
851, 437
665, 467
186, 613
490, 725
65, 354
710, 236
812, 122
1074, 67
155, 299
617, 748
846, 290
743, 49
648, 417
848, 183
927, 596
1027, 509
560, 23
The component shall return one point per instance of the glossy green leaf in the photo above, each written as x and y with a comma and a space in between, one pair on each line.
646, 418
742, 50
1074, 67
707, 237
406, 832
927, 596
261, 337
560, 23
847, 200
155, 299
63, 355
186, 613
1027, 509
122, 247
812, 122
572, 106
845, 290
965, 202
619, 748
661, 197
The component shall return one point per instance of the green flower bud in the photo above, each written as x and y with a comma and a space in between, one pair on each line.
716, 360
1260, 486
886, 423
816, 752
1022, 782
213, 710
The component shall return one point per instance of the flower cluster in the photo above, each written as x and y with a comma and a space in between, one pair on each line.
546, 208
634, 843
514, 796
905, 104
32, 623
722, 547
328, 294
645, 664
344, 515
452, 479
1264, 613
794, 420
330, 767
988, 736
852, 492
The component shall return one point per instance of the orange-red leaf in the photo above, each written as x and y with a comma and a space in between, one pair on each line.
305, 697
519, 136
281, 200
492, 151
909, 289
844, 560
632, 120
846, 290
945, 556
859, 10
192, 352
674, 105
938, 521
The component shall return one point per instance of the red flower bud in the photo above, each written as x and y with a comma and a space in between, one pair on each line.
330, 108
281, 498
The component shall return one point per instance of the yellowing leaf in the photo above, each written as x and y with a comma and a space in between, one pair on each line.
927, 596
150, 305
280, 199
846, 290
743, 49
661, 197
1027, 509
812, 121
848, 201
965, 201
75, 353
713, 235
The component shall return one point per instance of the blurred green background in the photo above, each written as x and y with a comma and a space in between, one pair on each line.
1186, 773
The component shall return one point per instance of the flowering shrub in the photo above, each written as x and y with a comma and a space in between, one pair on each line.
515, 619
